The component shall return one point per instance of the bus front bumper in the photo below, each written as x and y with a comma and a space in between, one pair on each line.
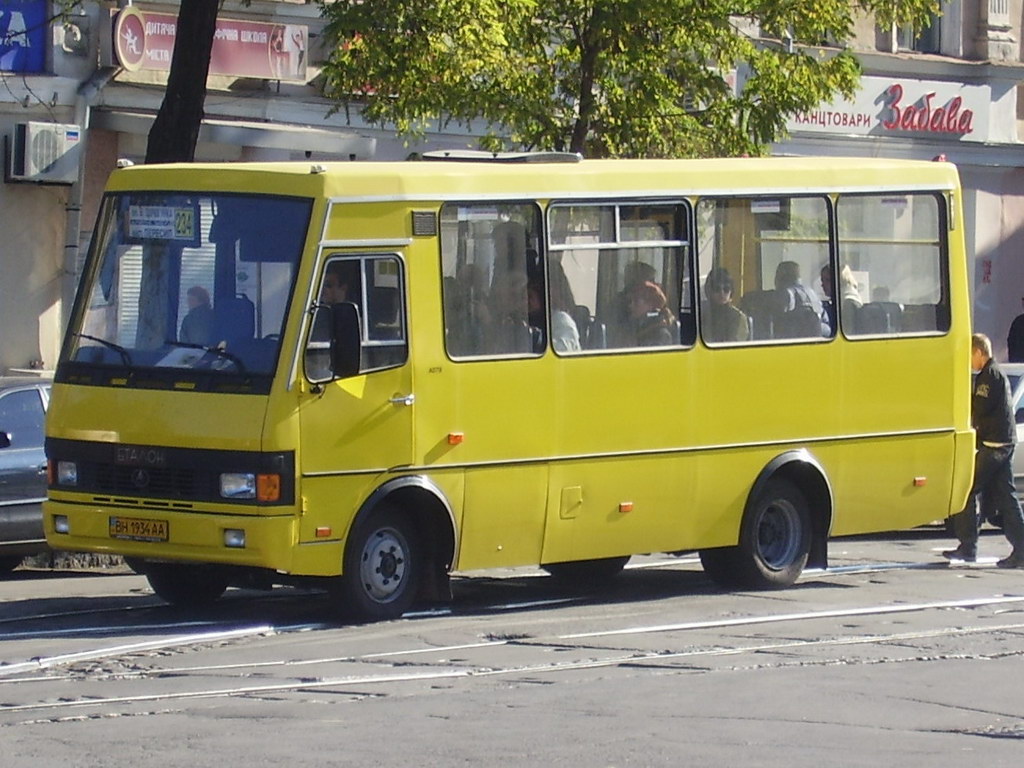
261, 541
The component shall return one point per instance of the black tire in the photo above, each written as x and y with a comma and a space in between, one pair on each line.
186, 585
775, 540
137, 564
8, 563
382, 568
587, 572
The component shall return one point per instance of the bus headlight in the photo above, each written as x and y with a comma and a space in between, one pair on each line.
238, 485
234, 538
60, 524
67, 473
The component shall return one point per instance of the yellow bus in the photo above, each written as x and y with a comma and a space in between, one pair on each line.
370, 375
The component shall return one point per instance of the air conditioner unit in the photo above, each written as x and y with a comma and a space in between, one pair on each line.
44, 153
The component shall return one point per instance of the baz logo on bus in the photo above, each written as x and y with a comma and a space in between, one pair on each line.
140, 456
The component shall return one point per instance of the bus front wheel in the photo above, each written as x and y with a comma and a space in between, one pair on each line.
775, 540
186, 585
381, 569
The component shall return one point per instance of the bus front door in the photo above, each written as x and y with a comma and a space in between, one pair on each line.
358, 428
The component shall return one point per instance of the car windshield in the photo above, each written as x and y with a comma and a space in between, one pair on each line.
191, 287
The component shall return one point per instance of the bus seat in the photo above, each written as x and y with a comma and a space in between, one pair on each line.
584, 321
881, 317
759, 307
235, 318
537, 340
510, 246
920, 317
382, 314
798, 323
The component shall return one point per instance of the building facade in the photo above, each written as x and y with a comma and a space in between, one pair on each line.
91, 85
87, 89
950, 93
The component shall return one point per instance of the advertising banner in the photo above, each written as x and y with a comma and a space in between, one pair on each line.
24, 25
145, 40
904, 107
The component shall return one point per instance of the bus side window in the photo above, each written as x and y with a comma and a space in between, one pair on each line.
384, 344
893, 246
376, 286
774, 249
493, 280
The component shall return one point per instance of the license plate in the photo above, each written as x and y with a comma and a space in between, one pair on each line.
138, 529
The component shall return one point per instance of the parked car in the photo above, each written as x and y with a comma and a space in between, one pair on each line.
23, 402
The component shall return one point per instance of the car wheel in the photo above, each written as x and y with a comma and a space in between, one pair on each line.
775, 541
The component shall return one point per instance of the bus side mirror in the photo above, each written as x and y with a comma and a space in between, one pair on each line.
5, 440
346, 340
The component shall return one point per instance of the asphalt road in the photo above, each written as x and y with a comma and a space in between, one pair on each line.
889, 658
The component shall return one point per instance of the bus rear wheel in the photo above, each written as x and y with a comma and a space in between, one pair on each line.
186, 585
775, 541
382, 568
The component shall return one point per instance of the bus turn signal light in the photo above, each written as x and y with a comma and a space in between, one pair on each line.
920, 482
268, 487
454, 438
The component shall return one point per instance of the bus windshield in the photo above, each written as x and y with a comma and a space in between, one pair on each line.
189, 288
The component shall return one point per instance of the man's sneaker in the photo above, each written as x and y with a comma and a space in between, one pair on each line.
967, 555
1013, 561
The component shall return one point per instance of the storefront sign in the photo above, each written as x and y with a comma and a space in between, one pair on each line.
905, 108
145, 40
24, 25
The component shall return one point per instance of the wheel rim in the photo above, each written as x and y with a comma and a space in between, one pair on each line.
384, 564
779, 533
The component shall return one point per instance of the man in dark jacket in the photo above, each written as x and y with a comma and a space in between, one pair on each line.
993, 421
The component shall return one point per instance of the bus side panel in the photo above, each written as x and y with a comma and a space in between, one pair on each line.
622, 506
506, 521
889, 484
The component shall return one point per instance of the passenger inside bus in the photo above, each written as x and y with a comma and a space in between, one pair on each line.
341, 283
464, 301
828, 302
652, 322
197, 324
621, 325
565, 335
849, 296
799, 311
507, 328
723, 322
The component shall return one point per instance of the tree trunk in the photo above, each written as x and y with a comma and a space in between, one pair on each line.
175, 132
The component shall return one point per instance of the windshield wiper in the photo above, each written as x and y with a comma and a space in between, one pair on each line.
222, 353
125, 357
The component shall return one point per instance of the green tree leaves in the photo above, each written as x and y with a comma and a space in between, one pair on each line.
608, 78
